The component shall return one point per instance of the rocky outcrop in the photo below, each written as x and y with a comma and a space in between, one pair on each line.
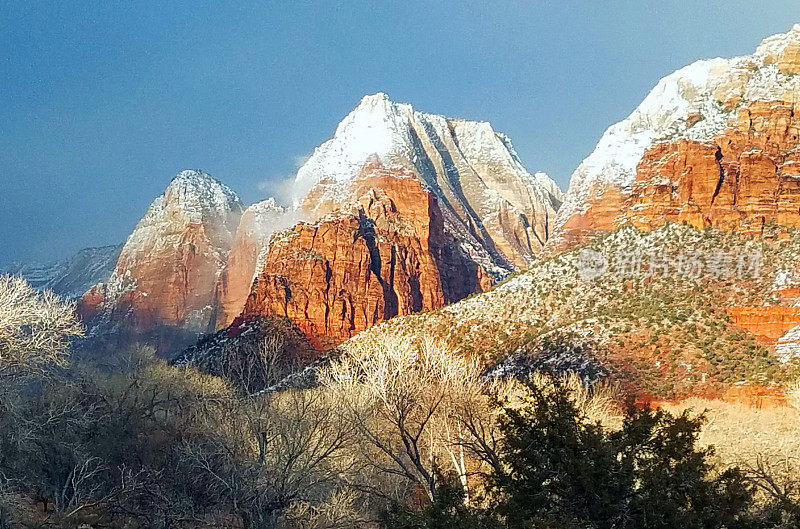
747, 177
384, 254
248, 251
169, 267
714, 144
767, 324
756, 396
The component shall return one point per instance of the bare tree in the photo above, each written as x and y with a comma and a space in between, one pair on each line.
253, 367
35, 327
400, 397
270, 454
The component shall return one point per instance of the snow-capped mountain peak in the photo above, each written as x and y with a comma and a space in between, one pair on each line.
472, 168
196, 193
376, 127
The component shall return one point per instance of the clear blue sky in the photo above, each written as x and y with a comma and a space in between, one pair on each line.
102, 102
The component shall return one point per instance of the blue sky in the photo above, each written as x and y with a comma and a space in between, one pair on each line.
101, 103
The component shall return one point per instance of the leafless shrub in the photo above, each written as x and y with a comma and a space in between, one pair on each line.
251, 368
35, 327
343, 510
269, 454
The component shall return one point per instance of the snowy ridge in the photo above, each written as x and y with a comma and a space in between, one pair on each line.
73, 276
198, 195
398, 134
788, 346
708, 91
264, 214
194, 218
192, 197
377, 126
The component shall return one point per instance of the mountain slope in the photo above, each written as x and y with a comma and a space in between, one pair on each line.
493, 202
384, 254
400, 211
642, 315
245, 260
672, 265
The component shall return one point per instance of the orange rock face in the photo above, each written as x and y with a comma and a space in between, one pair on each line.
386, 254
168, 268
756, 396
767, 324
788, 61
236, 280
602, 215
91, 303
747, 177
174, 287
751, 395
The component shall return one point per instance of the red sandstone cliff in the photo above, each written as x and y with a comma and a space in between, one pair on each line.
744, 178
714, 144
168, 268
258, 222
386, 253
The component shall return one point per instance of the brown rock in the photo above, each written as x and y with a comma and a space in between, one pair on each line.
789, 60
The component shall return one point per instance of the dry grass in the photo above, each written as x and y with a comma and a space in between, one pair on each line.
738, 431
764, 443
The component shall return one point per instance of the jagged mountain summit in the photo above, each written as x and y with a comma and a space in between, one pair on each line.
402, 211
490, 199
168, 269
712, 144
73, 276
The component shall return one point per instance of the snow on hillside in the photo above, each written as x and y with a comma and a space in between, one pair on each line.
499, 210
398, 134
